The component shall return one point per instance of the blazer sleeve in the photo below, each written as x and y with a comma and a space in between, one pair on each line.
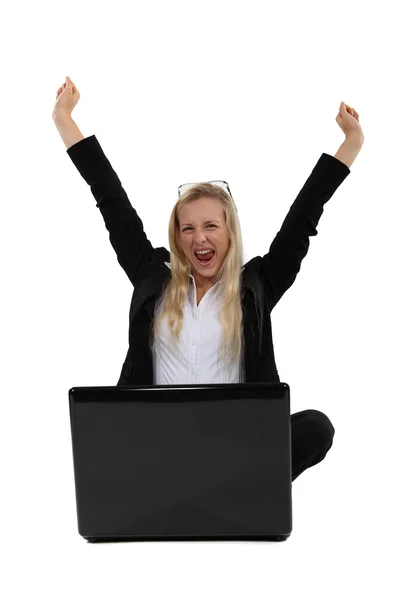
127, 236
282, 263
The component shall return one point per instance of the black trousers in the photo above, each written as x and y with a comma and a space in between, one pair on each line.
312, 436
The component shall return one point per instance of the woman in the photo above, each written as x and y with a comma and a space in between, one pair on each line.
204, 322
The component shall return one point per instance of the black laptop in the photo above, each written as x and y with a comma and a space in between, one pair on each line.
182, 462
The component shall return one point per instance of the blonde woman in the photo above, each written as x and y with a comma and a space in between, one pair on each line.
205, 318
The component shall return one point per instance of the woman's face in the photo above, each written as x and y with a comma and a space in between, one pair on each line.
202, 226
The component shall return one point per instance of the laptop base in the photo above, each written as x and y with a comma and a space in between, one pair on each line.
172, 538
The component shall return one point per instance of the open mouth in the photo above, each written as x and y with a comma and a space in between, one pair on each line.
207, 260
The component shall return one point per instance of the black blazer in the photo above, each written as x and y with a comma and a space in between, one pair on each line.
264, 280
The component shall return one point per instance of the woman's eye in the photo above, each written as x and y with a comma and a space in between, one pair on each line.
191, 228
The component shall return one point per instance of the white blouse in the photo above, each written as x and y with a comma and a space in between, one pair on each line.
197, 359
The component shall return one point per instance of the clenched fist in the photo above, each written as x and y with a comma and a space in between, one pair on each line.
67, 98
348, 121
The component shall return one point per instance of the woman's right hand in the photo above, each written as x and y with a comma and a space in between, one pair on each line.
67, 98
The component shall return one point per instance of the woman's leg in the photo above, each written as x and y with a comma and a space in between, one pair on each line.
312, 436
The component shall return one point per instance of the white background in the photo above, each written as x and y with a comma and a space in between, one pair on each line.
180, 92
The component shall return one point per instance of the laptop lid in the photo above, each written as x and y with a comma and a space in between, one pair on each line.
206, 461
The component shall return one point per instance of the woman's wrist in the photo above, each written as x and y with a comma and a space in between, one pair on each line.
67, 128
61, 115
350, 148
355, 139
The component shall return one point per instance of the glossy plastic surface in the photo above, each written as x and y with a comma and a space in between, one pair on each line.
182, 462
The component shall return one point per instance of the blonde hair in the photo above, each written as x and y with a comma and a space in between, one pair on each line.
174, 292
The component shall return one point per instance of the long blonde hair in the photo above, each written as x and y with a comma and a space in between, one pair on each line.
174, 293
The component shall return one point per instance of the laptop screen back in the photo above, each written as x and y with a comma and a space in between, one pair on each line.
182, 461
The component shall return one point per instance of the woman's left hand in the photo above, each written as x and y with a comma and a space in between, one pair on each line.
347, 119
